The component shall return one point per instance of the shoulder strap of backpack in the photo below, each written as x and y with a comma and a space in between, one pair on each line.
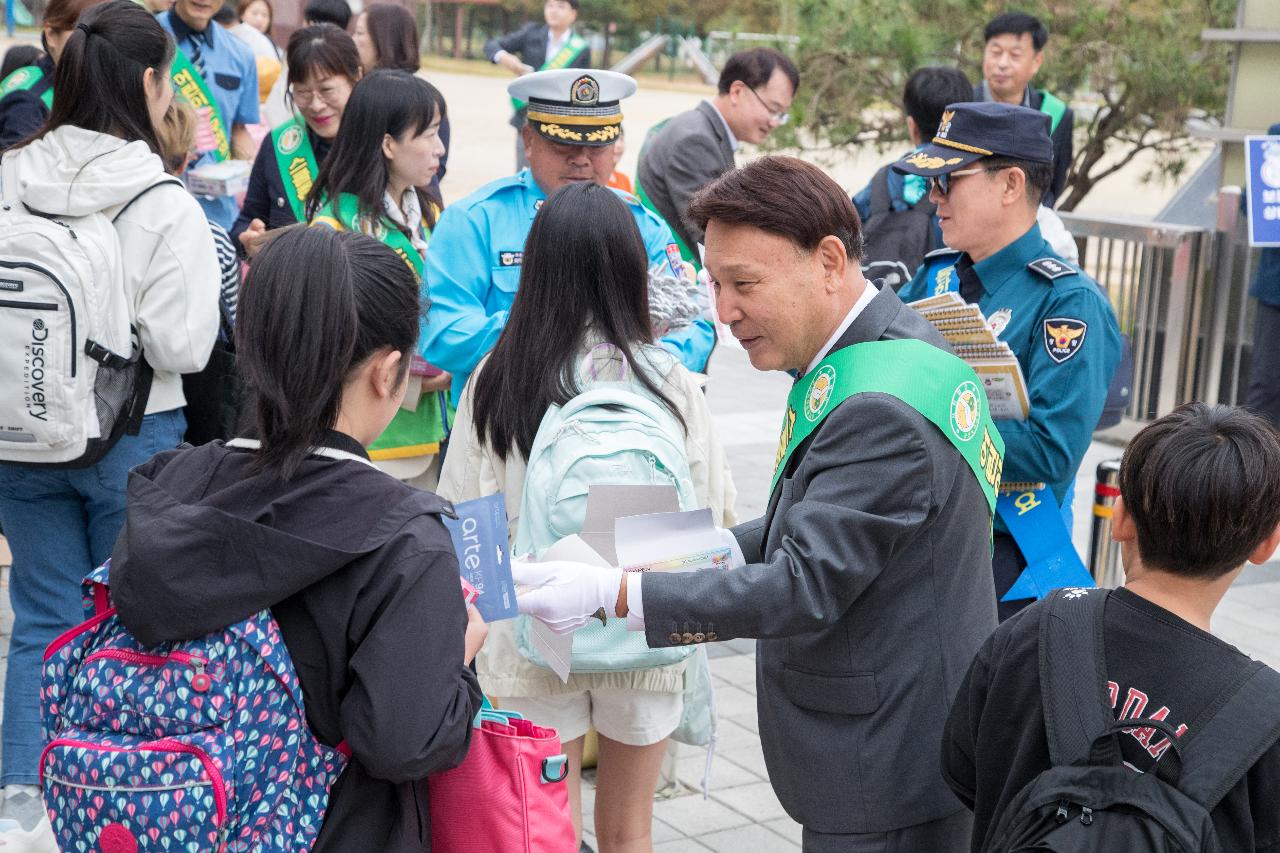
1073, 673
128, 204
880, 199
1241, 725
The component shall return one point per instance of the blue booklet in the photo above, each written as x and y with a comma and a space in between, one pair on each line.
480, 540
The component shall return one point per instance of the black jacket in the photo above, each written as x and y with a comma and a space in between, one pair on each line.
266, 199
22, 112
530, 44
1158, 665
359, 572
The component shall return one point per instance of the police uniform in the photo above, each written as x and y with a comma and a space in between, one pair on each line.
1053, 316
477, 247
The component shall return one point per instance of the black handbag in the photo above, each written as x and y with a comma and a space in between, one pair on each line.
215, 395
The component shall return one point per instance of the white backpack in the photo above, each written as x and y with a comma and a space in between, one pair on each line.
72, 375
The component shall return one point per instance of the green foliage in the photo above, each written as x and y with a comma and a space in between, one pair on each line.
1136, 70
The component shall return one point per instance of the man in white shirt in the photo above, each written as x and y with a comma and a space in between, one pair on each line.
540, 47
867, 582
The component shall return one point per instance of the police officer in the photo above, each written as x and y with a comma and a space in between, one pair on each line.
988, 168
473, 263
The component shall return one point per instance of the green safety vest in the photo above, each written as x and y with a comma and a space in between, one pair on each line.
565, 56
410, 433
25, 78
297, 162
190, 85
935, 383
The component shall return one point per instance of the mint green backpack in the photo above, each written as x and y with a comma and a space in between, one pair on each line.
613, 433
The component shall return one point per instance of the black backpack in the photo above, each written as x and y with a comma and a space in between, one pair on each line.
1089, 802
895, 241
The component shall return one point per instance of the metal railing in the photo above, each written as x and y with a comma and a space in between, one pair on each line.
1180, 294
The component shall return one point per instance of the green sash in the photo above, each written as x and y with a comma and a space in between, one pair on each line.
297, 162
191, 86
686, 251
25, 78
1054, 107
935, 383
410, 433
565, 56
346, 218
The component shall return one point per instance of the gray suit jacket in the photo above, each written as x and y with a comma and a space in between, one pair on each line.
869, 585
680, 157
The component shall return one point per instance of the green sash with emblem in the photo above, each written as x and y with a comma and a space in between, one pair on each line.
410, 433
297, 163
936, 384
1054, 107
190, 85
565, 56
25, 78
345, 216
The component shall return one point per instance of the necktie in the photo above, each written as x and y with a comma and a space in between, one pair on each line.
971, 288
197, 59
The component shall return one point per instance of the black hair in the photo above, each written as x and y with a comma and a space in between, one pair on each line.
1017, 23
1202, 485
316, 304
754, 68
384, 102
394, 34
98, 77
322, 49
585, 271
931, 90
226, 16
748, 196
1039, 174
18, 56
335, 12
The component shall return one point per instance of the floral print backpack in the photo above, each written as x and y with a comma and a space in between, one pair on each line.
190, 746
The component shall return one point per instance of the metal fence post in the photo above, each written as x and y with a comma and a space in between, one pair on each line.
1104, 554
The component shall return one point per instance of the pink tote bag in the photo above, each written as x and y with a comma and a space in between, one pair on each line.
508, 795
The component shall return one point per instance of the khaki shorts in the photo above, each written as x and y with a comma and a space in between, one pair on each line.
633, 717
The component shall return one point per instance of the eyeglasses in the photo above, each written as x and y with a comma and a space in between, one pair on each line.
942, 183
305, 97
780, 116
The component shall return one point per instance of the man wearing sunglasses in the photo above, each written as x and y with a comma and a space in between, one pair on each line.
688, 151
988, 167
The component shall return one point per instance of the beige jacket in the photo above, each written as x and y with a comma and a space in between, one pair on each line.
472, 470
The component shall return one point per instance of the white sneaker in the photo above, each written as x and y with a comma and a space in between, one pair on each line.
24, 824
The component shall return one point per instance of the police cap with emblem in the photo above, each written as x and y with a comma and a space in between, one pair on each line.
574, 106
971, 131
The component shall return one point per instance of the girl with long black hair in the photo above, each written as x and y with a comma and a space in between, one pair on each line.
357, 568
582, 308
376, 180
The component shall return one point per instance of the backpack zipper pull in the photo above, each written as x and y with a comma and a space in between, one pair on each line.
200, 682
1063, 815
1086, 816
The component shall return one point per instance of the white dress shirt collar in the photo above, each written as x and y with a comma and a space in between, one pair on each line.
733, 140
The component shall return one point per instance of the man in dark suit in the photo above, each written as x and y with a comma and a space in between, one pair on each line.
540, 47
868, 579
1013, 54
686, 152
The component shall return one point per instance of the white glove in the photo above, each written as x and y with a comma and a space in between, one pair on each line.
563, 594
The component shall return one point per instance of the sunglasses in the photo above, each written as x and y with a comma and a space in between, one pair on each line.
943, 182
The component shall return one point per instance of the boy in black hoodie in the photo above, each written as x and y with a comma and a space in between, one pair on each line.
356, 567
1200, 496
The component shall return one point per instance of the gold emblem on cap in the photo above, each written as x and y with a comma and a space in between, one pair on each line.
585, 92
944, 126
924, 161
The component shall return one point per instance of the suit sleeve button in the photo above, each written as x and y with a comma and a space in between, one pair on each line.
687, 638
711, 636
673, 638
699, 637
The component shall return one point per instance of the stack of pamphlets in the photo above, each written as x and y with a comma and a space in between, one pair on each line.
972, 339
